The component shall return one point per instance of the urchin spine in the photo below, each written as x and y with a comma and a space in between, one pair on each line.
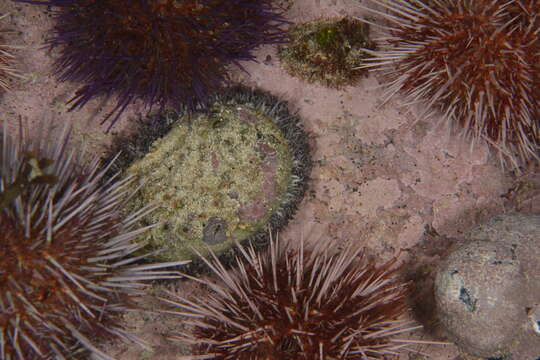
307, 304
163, 53
7, 68
66, 269
482, 72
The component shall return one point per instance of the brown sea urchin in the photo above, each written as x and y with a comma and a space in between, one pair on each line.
8, 71
476, 60
293, 303
65, 270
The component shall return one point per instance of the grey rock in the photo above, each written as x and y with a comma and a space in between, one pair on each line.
522, 233
475, 292
488, 289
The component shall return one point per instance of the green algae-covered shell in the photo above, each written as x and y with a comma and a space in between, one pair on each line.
327, 51
217, 177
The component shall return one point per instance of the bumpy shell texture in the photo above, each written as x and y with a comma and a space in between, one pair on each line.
292, 303
161, 52
134, 146
65, 269
478, 61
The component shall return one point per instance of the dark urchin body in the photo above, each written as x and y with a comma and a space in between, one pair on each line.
161, 52
133, 147
297, 304
478, 61
65, 269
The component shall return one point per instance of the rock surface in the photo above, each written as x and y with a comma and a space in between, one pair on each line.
488, 290
476, 290
383, 174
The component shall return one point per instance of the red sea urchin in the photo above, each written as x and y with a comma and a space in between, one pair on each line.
168, 52
65, 270
297, 304
8, 72
476, 60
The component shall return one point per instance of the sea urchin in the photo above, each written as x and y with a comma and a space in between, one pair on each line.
476, 60
7, 68
165, 52
65, 270
294, 303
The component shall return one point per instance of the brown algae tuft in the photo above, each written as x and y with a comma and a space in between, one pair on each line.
327, 51
221, 176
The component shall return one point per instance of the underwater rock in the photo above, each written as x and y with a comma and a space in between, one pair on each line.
521, 231
475, 292
487, 290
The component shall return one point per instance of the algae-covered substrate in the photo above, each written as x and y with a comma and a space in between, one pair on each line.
327, 51
218, 177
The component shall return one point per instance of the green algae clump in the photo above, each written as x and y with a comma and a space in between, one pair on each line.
220, 177
327, 51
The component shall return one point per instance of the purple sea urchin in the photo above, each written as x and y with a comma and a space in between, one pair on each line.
477, 61
167, 52
65, 270
297, 304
